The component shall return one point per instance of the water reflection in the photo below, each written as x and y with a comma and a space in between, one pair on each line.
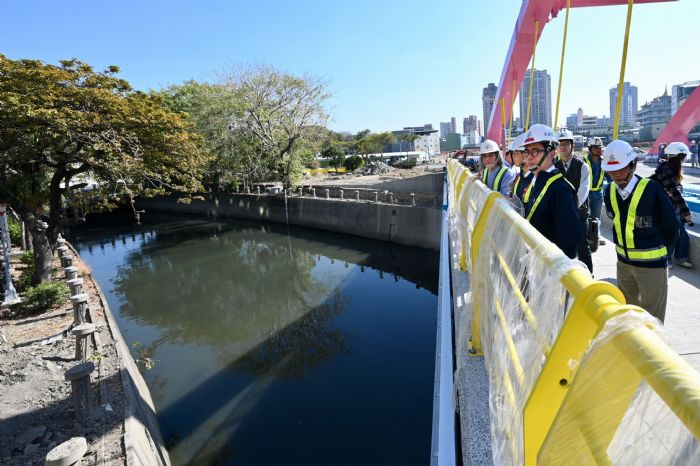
262, 338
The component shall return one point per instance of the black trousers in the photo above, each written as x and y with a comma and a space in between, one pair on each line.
584, 248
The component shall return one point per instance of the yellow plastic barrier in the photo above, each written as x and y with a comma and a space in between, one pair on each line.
562, 391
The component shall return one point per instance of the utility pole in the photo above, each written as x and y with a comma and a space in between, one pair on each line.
11, 296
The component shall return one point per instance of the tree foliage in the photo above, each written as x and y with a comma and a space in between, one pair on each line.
258, 123
68, 121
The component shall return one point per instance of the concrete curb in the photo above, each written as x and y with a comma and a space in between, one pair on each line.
143, 441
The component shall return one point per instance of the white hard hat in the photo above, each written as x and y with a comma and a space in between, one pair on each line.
677, 148
488, 146
617, 155
540, 133
596, 141
517, 143
693, 141
565, 134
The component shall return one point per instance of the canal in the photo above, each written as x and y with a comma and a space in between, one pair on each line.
272, 345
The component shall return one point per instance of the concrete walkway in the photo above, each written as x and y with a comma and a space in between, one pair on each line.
683, 310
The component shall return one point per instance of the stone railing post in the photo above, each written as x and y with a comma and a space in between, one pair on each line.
342, 194
71, 272
413, 199
328, 193
79, 306
82, 334
76, 286
357, 196
79, 377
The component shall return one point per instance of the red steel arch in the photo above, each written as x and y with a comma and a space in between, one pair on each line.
520, 50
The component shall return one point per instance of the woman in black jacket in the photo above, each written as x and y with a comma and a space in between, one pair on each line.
670, 175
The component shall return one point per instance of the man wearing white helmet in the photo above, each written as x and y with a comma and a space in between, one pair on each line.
645, 225
596, 178
576, 172
694, 149
496, 176
522, 175
550, 202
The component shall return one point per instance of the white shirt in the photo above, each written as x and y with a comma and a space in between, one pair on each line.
625, 193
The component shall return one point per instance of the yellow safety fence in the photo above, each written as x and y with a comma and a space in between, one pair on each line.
317, 171
576, 376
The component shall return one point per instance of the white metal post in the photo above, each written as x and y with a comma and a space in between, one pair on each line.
11, 296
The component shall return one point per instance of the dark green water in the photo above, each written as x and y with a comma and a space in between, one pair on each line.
307, 348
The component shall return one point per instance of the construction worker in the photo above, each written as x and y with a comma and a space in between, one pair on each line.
495, 175
550, 203
523, 176
577, 173
596, 178
645, 225
694, 150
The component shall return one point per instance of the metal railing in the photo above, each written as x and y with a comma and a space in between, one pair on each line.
561, 385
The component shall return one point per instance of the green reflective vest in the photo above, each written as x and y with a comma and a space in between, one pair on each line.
601, 176
497, 181
625, 246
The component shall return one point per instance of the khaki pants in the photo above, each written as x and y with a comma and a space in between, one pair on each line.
644, 287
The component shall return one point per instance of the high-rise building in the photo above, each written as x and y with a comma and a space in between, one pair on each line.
658, 111
680, 92
470, 124
579, 116
444, 129
628, 112
488, 97
453, 125
541, 106
572, 120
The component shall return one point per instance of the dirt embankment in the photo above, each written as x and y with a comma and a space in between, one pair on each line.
36, 408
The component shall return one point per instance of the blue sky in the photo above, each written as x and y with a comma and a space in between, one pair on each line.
388, 63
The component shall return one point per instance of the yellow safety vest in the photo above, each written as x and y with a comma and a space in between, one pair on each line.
497, 181
599, 184
539, 198
626, 248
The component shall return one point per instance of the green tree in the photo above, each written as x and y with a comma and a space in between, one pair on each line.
284, 114
67, 121
335, 154
374, 143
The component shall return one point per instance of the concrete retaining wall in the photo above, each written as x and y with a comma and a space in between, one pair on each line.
411, 226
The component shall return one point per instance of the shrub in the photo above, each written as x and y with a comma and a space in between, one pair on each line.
15, 230
45, 296
353, 162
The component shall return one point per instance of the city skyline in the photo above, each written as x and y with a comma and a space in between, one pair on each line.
384, 76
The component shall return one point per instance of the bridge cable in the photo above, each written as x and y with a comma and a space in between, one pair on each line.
532, 75
512, 104
620, 85
503, 119
561, 65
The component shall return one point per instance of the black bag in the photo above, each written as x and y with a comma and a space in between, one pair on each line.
593, 233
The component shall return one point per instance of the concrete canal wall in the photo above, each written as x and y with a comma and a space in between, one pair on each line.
407, 225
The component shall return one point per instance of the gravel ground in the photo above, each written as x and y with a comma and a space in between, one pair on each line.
36, 409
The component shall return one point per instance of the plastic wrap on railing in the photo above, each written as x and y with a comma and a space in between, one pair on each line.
522, 306
618, 407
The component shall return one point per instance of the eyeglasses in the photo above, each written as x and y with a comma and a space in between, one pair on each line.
534, 152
